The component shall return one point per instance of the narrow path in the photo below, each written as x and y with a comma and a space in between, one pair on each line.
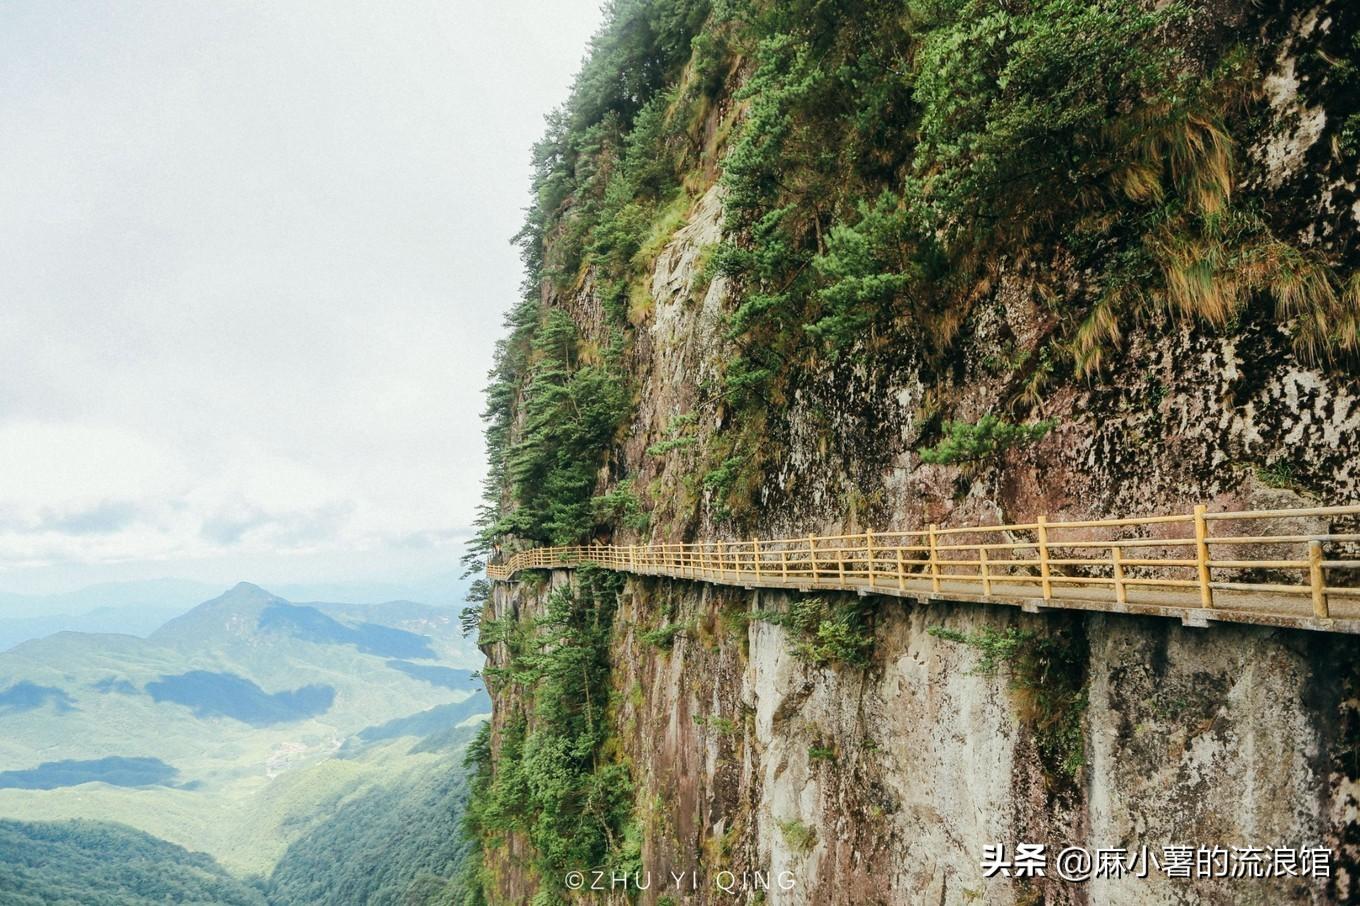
1270, 567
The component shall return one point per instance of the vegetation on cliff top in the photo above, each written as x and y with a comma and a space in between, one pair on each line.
607, 168
886, 166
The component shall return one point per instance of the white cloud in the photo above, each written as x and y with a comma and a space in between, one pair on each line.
51, 465
254, 258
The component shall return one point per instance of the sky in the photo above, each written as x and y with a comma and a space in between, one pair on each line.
254, 257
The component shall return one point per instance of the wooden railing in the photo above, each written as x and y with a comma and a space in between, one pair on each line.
1281, 567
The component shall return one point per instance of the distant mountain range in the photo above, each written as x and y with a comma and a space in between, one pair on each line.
234, 728
138, 608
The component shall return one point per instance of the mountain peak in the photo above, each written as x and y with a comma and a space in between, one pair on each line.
234, 612
248, 588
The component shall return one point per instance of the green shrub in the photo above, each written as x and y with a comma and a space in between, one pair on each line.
827, 632
663, 637
619, 507
716, 723
551, 779
1015, 98
571, 411
985, 439
1280, 476
864, 271
821, 753
679, 435
799, 836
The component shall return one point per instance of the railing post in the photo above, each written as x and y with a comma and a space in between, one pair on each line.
1206, 594
934, 561
1044, 578
840, 562
1121, 594
755, 556
901, 568
812, 556
783, 563
985, 570
1316, 578
869, 553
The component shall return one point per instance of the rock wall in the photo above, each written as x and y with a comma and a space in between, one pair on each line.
883, 784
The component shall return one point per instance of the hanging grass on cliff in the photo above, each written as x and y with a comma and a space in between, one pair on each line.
889, 160
897, 161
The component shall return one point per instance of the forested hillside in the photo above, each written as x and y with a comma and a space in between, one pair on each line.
90, 863
398, 845
399, 842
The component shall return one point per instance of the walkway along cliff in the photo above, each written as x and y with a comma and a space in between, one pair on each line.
993, 370
1058, 569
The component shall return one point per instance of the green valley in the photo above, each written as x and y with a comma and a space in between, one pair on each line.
239, 728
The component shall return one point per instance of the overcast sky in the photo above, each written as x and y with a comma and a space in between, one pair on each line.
253, 259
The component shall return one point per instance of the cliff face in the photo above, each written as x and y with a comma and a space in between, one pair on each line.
878, 774
883, 784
